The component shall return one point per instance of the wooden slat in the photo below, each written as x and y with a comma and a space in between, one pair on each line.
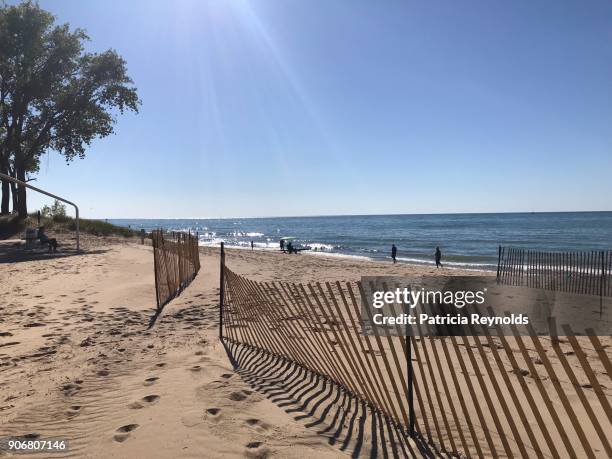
308, 325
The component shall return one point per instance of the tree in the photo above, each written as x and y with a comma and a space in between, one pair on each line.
56, 211
4, 168
54, 96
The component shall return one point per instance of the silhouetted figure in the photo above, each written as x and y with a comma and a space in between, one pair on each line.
46, 240
394, 253
251, 245
438, 258
289, 247
38, 217
282, 244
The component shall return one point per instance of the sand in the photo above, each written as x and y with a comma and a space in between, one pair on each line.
79, 361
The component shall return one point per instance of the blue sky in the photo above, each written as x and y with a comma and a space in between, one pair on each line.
285, 107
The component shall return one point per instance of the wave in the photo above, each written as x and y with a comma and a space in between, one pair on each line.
216, 242
316, 246
472, 266
411, 261
340, 255
327, 250
246, 234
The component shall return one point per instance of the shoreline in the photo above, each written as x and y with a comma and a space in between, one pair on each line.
453, 265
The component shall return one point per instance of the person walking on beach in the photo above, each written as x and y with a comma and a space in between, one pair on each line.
282, 244
438, 258
251, 245
394, 253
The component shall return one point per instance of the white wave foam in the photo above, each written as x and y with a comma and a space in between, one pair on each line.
316, 246
339, 255
450, 264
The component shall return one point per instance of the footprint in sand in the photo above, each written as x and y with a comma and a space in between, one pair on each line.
238, 396
145, 401
150, 381
123, 432
71, 389
257, 424
196, 368
103, 373
257, 450
160, 365
73, 411
150, 399
227, 375
213, 414
30, 436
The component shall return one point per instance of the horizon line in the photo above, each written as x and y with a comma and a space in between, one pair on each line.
355, 215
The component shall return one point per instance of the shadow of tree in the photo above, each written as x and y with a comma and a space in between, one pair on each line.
17, 254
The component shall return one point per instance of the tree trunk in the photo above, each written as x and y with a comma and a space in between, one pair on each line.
14, 194
6, 190
22, 207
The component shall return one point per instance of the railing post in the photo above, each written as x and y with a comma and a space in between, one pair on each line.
221, 290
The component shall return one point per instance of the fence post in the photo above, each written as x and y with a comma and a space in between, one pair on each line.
155, 262
409, 377
498, 262
221, 290
410, 387
601, 283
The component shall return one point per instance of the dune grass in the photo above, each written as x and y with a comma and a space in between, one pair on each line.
98, 227
13, 227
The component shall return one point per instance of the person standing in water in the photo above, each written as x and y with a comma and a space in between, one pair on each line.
394, 253
438, 258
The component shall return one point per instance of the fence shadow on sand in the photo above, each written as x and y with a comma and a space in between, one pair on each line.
320, 404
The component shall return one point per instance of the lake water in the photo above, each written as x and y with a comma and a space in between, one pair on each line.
466, 240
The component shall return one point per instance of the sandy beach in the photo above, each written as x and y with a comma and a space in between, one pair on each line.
79, 361
268, 229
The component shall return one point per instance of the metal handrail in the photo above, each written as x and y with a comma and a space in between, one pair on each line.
21, 183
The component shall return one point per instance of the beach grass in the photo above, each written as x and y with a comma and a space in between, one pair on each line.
13, 227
